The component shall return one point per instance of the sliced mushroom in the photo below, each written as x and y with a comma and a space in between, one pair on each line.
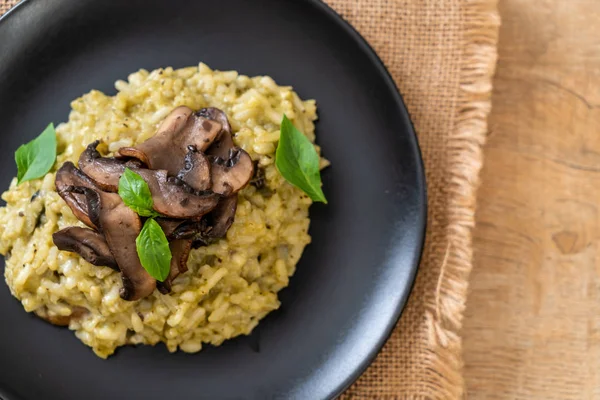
168, 147
221, 218
190, 229
259, 179
174, 198
214, 225
231, 167
172, 125
68, 176
195, 192
231, 175
196, 170
105, 172
61, 320
180, 251
87, 243
171, 196
224, 141
169, 225
215, 114
176, 229
120, 226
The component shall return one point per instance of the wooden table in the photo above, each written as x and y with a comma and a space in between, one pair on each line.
532, 325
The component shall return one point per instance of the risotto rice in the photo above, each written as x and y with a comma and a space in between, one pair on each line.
231, 285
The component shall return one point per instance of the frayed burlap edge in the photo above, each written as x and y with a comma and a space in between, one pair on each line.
465, 160
6, 5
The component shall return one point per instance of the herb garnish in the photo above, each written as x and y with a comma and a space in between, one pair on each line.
34, 159
135, 193
298, 161
151, 244
153, 250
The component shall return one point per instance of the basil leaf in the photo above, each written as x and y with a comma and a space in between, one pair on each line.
135, 193
153, 249
298, 161
36, 158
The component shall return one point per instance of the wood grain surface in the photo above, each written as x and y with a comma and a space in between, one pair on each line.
532, 327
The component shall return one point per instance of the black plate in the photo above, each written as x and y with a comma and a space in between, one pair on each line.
352, 281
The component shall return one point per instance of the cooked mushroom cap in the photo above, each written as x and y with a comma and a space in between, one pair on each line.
180, 251
231, 167
224, 141
121, 226
176, 229
190, 229
168, 147
213, 225
215, 114
230, 176
174, 198
169, 128
87, 243
104, 171
259, 179
221, 218
68, 176
169, 225
196, 170
171, 197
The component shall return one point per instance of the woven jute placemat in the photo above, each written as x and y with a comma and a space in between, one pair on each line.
442, 55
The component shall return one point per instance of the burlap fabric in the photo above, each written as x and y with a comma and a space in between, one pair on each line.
442, 54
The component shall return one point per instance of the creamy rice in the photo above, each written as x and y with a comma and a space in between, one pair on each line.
231, 284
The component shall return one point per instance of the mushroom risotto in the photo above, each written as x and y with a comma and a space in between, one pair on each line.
167, 215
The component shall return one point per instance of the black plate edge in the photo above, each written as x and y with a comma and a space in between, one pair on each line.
370, 52
372, 55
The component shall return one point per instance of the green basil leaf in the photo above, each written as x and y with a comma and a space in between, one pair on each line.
36, 158
135, 193
153, 249
298, 161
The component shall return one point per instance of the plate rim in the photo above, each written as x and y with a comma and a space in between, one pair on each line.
422, 217
422, 213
